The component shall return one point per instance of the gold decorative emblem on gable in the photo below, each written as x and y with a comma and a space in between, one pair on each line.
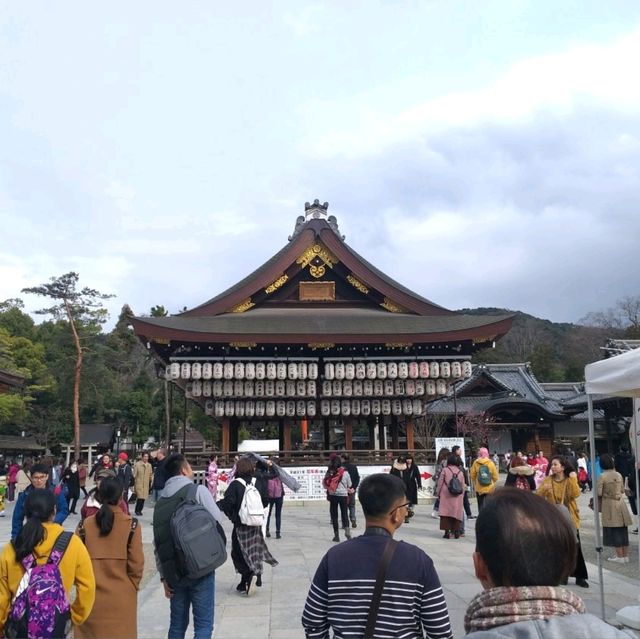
242, 344
391, 306
274, 286
317, 291
398, 344
317, 257
243, 306
160, 340
316, 345
356, 283
481, 340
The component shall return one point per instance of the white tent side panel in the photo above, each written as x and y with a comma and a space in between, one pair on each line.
619, 375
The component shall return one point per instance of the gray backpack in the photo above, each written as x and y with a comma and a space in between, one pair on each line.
199, 540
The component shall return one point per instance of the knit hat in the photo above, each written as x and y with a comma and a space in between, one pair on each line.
123, 456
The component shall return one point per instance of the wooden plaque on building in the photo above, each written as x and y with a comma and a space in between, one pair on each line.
317, 291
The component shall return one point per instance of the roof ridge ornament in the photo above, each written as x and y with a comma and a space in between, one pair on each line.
316, 211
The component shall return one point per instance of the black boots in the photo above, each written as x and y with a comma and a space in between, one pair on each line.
347, 532
336, 536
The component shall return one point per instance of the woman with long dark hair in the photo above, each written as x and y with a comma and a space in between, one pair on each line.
114, 542
561, 488
337, 482
36, 540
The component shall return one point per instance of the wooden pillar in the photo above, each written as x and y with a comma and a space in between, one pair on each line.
395, 444
224, 439
348, 434
409, 427
325, 425
234, 426
286, 434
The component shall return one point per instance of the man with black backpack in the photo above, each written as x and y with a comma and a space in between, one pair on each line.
189, 545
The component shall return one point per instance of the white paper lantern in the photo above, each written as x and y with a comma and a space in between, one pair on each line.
466, 369
238, 370
301, 408
238, 388
345, 407
398, 387
361, 370
311, 389
258, 387
196, 388
312, 370
218, 370
229, 408
311, 409
339, 370
250, 408
365, 407
208, 407
270, 408
407, 407
196, 370
335, 407
385, 407
302, 370
227, 389
410, 387
218, 409
175, 371
441, 387
207, 370
403, 370
430, 387
358, 386
327, 388
355, 407
185, 370
414, 370
367, 387
281, 370
378, 388
216, 389
292, 370
349, 370
329, 372
396, 407
347, 388
248, 389
376, 407
280, 388
291, 388
434, 370
325, 408
372, 370
260, 409
206, 389
424, 369
388, 387
270, 388
445, 370
250, 370
291, 406
417, 407
301, 388
456, 370
227, 372
167, 372
392, 370
271, 371
261, 370
336, 388
420, 387
381, 370
240, 408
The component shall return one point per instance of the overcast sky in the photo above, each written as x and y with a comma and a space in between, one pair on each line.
481, 153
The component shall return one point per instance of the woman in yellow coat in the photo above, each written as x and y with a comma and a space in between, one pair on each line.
114, 542
484, 476
38, 536
561, 487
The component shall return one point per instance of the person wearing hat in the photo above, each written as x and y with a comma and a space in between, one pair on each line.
124, 474
91, 504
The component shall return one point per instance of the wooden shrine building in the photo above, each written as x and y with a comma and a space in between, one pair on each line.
318, 334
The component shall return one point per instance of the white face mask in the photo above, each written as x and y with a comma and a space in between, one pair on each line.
74, 467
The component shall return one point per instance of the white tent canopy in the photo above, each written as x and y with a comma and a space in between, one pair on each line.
619, 376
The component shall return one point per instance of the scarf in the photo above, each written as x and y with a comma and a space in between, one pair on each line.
506, 605
288, 480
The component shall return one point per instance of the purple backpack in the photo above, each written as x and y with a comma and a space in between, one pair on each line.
40, 609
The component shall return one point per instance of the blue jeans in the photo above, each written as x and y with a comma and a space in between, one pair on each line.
200, 594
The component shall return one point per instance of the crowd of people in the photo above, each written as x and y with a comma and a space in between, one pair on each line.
532, 523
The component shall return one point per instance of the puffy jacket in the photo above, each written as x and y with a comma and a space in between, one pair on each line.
62, 511
475, 468
562, 627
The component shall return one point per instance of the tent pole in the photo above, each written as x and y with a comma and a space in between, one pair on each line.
596, 514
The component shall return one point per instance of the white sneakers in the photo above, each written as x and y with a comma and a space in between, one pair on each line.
434, 514
619, 560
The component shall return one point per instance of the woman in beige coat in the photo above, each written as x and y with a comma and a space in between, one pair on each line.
142, 479
615, 514
114, 542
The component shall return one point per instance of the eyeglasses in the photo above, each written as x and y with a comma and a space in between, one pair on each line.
406, 505
39, 478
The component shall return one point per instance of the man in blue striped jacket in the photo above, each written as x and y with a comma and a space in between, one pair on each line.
412, 603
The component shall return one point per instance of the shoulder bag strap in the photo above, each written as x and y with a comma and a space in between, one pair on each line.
60, 546
134, 525
390, 548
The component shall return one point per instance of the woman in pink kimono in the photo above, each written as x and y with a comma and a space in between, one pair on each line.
541, 468
451, 506
212, 476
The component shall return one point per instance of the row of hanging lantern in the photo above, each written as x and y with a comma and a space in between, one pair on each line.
309, 370
327, 408
335, 388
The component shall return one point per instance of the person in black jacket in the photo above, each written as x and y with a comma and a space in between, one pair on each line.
71, 479
159, 473
352, 469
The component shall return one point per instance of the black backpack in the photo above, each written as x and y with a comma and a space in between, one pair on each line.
199, 540
454, 485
